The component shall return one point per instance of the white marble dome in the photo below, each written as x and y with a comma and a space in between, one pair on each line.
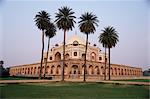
75, 38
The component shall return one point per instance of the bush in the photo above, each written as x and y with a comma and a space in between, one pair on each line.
4, 72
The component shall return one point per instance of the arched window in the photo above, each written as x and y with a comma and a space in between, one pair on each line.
115, 70
100, 58
58, 70
83, 56
57, 56
121, 71
111, 69
93, 56
75, 53
34, 70
67, 56
50, 57
102, 71
52, 69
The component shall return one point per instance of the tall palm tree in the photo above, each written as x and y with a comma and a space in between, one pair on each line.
41, 19
102, 38
65, 21
50, 33
87, 24
109, 39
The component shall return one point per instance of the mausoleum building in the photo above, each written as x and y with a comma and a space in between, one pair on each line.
74, 61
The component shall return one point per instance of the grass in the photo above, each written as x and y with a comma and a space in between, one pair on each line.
135, 80
68, 90
21, 78
15, 78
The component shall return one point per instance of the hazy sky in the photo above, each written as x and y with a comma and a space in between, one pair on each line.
20, 39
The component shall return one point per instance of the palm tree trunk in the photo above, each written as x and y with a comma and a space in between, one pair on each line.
105, 65
109, 62
62, 78
46, 56
42, 54
85, 59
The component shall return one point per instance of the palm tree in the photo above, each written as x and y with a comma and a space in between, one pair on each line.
41, 19
109, 39
87, 24
102, 38
65, 21
50, 33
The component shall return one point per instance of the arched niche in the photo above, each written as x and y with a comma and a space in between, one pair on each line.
57, 56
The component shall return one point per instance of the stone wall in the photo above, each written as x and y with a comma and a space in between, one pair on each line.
74, 69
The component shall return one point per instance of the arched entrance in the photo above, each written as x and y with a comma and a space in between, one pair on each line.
91, 70
58, 70
74, 71
97, 70
47, 70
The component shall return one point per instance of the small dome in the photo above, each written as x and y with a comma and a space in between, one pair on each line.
94, 45
56, 45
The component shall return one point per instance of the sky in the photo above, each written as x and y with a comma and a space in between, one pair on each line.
20, 39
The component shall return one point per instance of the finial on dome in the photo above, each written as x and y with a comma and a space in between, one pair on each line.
75, 32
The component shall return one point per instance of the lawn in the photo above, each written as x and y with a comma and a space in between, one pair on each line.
15, 78
21, 78
66, 90
135, 80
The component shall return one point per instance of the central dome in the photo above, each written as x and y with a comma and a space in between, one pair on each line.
75, 38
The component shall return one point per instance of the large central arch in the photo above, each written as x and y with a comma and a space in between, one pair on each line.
74, 71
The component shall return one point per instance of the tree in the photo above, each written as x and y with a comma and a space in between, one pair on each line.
1, 68
146, 72
65, 21
4, 72
42, 19
109, 39
50, 33
1, 63
87, 24
102, 38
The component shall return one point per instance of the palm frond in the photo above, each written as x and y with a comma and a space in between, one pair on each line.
65, 18
41, 20
109, 37
50, 30
87, 23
